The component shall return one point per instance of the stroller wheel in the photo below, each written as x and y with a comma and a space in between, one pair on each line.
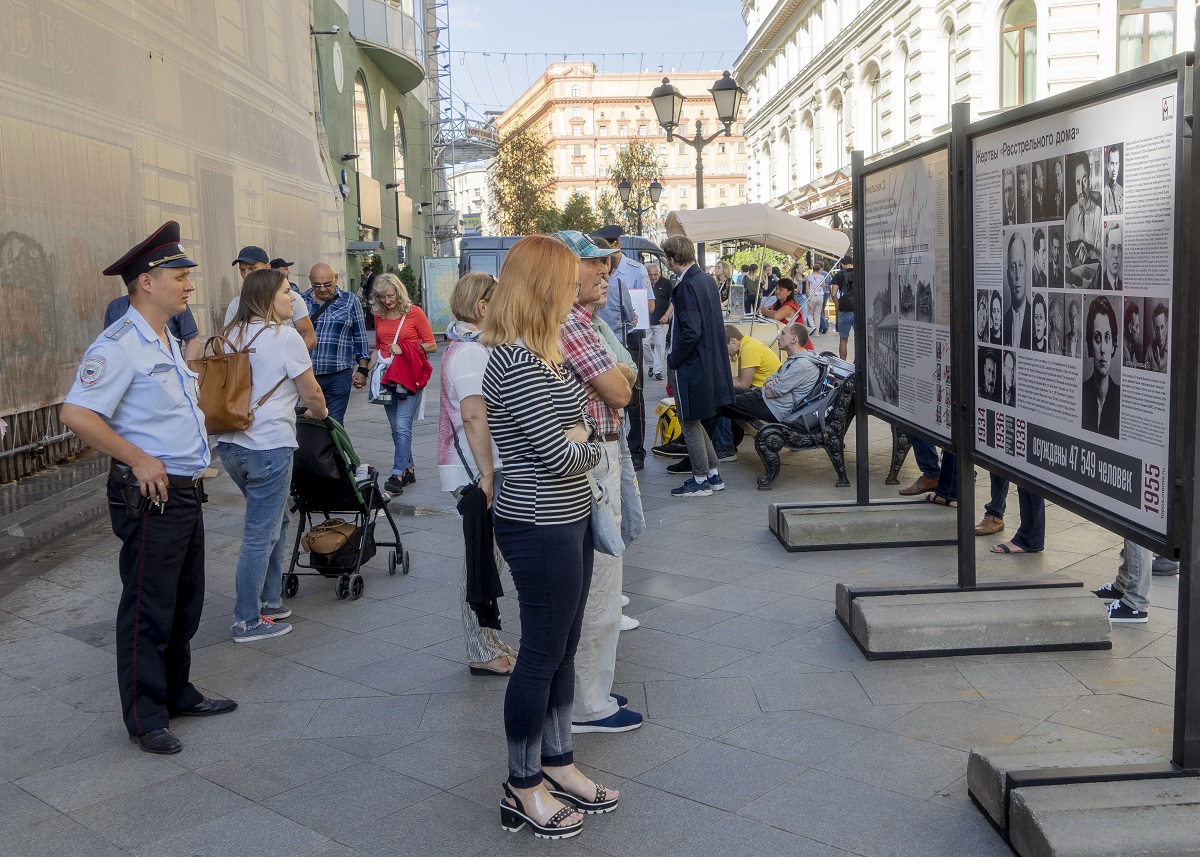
407, 561
356, 586
392, 563
291, 585
342, 588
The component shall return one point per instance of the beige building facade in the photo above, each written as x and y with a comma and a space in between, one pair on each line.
586, 116
826, 77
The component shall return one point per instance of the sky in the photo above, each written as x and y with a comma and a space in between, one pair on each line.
522, 37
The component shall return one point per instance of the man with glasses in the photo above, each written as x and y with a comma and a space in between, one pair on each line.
341, 357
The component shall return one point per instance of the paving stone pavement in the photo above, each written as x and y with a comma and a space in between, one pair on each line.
362, 732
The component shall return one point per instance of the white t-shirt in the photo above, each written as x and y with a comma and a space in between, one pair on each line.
277, 353
462, 375
299, 308
816, 285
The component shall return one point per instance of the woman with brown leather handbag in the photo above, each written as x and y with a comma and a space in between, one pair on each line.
259, 457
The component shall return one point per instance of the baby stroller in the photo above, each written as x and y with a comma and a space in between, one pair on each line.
324, 483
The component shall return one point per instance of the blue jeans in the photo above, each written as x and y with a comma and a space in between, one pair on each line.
552, 568
947, 477
927, 458
263, 476
336, 387
1032, 534
723, 435
400, 414
999, 499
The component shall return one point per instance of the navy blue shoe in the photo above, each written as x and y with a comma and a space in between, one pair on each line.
716, 482
692, 488
621, 700
623, 720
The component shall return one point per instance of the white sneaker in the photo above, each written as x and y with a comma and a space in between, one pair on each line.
628, 623
624, 600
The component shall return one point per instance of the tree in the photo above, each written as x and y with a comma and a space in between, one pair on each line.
578, 214
520, 182
638, 163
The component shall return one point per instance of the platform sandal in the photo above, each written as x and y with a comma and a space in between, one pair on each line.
602, 803
513, 818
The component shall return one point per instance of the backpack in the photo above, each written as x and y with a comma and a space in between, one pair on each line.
846, 291
225, 382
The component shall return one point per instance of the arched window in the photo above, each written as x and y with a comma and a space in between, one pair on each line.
903, 112
574, 91
876, 88
951, 67
784, 174
398, 151
1145, 32
362, 126
1018, 53
839, 130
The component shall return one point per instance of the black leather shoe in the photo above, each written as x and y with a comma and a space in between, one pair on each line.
158, 741
206, 708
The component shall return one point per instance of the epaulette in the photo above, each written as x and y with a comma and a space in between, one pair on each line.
118, 329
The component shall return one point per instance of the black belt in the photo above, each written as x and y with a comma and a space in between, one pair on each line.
172, 480
609, 438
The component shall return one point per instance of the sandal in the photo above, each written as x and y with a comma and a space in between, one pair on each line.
603, 803
1014, 549
484, 669
513, 817
938, 500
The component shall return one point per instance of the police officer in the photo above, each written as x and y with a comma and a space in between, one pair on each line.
136, 400
621, 317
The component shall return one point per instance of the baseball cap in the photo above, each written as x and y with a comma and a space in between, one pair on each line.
582, 245
253, 256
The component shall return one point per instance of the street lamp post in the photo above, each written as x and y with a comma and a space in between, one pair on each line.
668, 105
624, 188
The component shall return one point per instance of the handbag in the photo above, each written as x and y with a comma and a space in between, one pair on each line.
377, 393
328, 537
606, 532
225, 383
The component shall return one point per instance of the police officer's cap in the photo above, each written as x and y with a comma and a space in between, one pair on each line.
253, 256
609, 233
161, 250
280, 263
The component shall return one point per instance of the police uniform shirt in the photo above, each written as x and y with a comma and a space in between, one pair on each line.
629, 275
146, 394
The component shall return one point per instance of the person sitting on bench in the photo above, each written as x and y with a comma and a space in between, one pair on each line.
785, 389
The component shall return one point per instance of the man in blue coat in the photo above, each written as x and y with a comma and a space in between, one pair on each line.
698, 362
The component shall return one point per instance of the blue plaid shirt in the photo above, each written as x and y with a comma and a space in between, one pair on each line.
341, 333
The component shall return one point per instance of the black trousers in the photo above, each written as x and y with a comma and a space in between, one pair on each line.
747, 406
162, 595
635, 411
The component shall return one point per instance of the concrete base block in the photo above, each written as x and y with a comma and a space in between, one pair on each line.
987, 771
829, 526
1137, 818
972, 621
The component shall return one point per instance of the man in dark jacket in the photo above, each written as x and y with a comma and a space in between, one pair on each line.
698, 362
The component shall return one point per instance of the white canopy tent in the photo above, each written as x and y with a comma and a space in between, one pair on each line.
761, 224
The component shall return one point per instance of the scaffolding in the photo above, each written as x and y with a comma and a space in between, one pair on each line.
455, 139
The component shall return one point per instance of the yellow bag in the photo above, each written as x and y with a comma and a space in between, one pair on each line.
668, 427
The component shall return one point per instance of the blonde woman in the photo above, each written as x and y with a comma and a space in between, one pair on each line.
397, 321
259, 459
543, 527
465, 448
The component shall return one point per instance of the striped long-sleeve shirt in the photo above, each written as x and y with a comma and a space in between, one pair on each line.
530, 407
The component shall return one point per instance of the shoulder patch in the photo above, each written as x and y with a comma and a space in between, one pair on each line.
118, 329
91, 370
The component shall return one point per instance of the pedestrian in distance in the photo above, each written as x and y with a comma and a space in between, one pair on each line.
259, 458
542, 515
402, 332
843, 293
135, 399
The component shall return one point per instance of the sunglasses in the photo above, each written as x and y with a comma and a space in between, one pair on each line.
322, 285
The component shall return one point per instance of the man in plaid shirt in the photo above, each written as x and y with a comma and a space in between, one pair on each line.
609, 387
341, 357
